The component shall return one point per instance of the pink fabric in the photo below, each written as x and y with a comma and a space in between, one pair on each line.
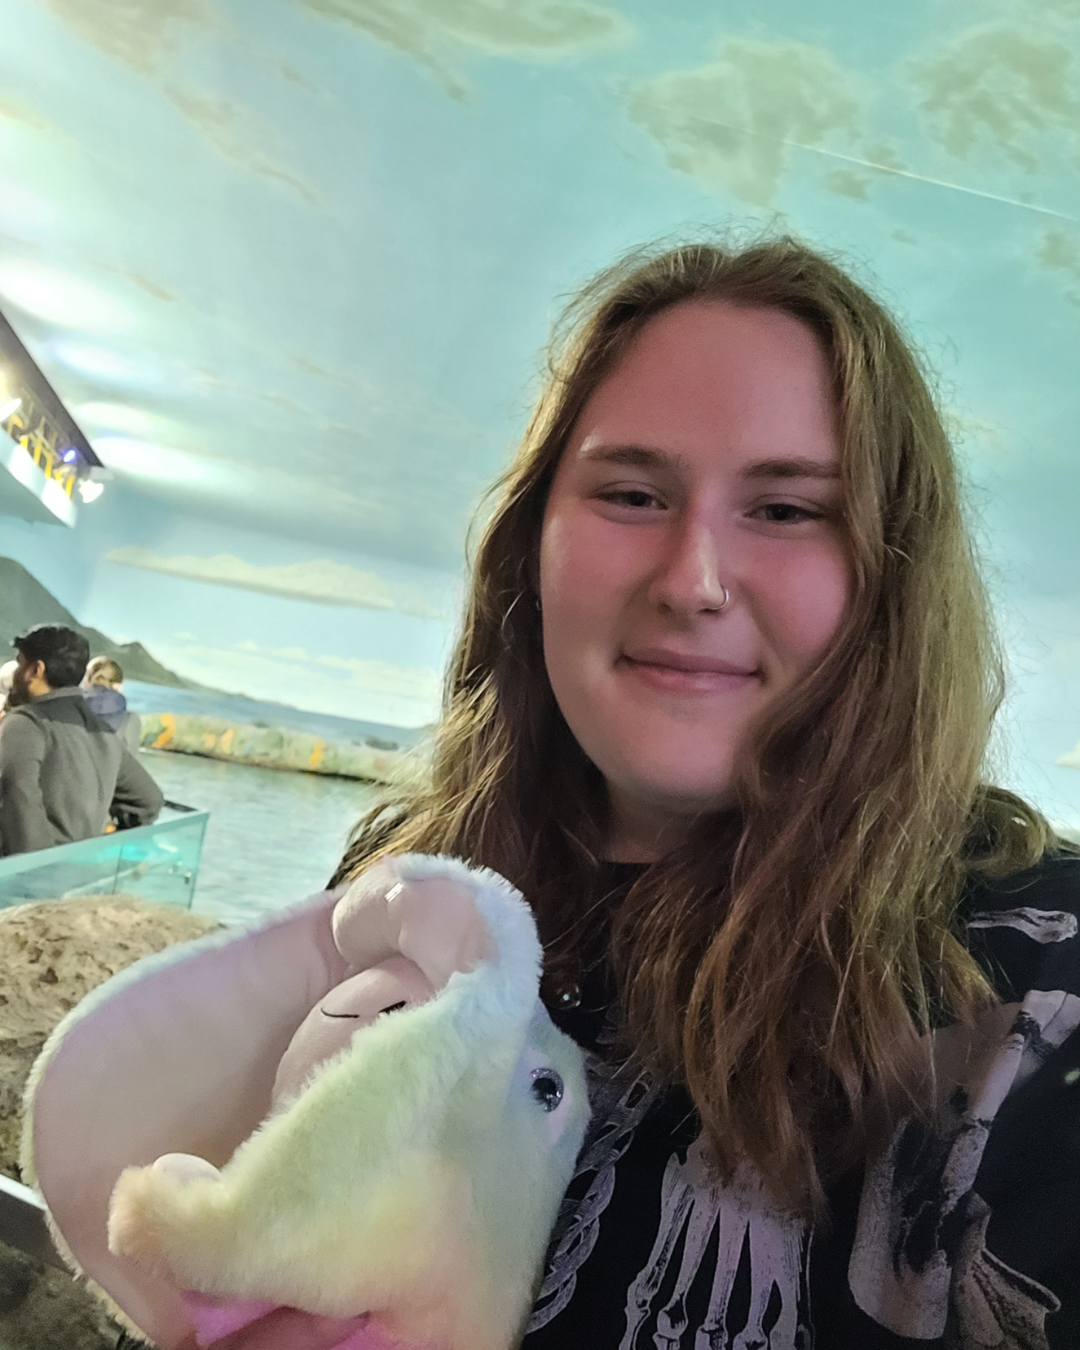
214, 1319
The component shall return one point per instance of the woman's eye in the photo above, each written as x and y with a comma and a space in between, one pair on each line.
635, 498
787, 513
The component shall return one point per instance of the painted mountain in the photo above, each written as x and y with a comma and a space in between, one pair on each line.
25, 602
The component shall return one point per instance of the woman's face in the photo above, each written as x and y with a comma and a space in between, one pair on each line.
692, 560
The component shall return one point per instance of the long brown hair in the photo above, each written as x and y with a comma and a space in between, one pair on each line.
785, 962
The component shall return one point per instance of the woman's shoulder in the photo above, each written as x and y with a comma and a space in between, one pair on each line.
1023, 928
1052, 884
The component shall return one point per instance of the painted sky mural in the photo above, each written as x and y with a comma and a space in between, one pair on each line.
291, 262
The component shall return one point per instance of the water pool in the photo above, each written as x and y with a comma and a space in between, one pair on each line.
273, 838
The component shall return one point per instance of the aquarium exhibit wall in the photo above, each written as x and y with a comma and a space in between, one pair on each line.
291, 271
276, 280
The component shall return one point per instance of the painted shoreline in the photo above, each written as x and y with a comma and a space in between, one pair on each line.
279, 748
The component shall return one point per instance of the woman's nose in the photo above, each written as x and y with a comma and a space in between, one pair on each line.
690, 580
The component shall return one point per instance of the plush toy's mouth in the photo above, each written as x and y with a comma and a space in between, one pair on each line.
216, 1318
393, 1007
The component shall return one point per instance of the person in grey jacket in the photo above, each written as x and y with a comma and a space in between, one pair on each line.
63, 771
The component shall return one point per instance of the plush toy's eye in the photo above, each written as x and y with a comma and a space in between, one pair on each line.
546, 1088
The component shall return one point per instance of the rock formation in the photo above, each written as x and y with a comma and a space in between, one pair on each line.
24, 601
281, 748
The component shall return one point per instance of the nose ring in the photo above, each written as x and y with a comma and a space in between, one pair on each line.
724, 604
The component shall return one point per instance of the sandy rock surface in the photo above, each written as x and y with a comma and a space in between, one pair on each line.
44, 1309
52, 953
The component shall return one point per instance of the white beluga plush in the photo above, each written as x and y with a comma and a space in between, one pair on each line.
359, 1109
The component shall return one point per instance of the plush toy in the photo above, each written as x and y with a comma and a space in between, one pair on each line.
359, 1108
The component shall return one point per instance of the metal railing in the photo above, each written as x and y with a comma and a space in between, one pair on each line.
22, 1223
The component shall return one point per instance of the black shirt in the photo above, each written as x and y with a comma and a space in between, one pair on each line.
961, 1237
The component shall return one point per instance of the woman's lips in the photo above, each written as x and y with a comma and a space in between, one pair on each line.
678, 673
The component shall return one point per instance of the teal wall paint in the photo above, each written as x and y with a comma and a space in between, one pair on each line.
292, 272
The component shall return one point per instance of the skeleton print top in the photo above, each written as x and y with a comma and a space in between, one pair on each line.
965, 1236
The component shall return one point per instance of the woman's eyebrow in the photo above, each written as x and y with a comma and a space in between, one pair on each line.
648, 457
797, 466
637, 456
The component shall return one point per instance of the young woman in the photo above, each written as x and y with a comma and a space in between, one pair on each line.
720, 710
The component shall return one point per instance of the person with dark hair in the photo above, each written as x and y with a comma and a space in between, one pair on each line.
62, 652
63, 771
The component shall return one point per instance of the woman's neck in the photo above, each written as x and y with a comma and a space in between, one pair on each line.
640, 832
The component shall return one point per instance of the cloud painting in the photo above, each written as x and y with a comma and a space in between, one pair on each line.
139, 34
145, 36
1060, 252
368, 690
524, 30
732, 122
234, 131
1001, 89
322, 581
431, 32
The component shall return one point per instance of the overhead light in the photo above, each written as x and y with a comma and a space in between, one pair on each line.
21, 466
6, 409
160, 464
69, 456
90, 491
105, 418
97, 362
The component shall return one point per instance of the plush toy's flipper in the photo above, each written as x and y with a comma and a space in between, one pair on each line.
177, 1053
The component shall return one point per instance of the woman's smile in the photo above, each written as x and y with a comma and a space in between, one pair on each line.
684, 674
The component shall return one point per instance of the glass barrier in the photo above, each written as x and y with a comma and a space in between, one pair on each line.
157, 862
